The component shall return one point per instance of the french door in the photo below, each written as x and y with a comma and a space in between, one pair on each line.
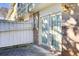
45, 30
56, 31
51, 31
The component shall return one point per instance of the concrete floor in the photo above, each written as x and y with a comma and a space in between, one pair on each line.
25, 51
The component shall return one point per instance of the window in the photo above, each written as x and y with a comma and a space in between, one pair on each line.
30, 7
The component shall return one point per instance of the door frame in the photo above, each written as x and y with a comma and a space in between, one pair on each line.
40, 29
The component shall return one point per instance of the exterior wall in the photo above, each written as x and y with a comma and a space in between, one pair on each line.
56, 8
13, 33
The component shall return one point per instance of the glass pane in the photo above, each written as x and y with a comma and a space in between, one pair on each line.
56, 37
45, 29
51, 30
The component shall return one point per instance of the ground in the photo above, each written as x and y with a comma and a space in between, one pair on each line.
32, 50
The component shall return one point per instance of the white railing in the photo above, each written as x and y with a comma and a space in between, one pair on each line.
15, 26
15, 33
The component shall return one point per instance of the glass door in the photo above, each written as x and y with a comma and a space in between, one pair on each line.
51, 31
55, 23
45, 30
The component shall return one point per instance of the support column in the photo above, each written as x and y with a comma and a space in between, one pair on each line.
36, 28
